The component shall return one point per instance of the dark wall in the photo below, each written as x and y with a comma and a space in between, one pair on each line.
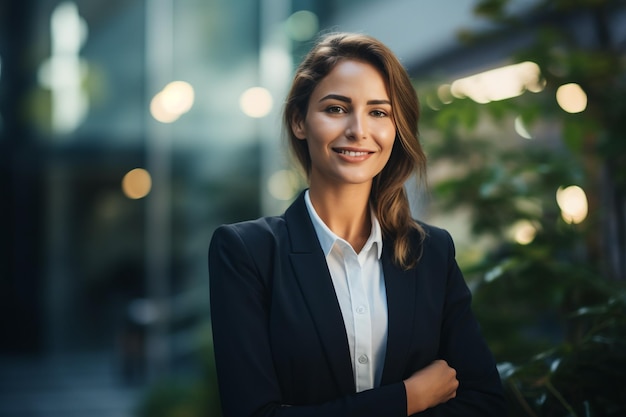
20, 186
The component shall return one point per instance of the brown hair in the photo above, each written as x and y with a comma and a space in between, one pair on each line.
388, 196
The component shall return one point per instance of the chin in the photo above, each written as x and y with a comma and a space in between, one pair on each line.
358, 180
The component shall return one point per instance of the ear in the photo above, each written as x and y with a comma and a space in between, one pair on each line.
297, 127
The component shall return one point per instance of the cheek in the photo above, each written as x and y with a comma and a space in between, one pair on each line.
388, 144
323, 131
387, 137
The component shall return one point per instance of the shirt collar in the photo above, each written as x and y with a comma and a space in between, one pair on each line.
327, 238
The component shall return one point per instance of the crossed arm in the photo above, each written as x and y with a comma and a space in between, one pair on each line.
248, 381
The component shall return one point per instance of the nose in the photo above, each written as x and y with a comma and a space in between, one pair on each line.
357, 127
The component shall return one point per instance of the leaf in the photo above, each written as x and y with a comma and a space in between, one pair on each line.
492, 9
573, 134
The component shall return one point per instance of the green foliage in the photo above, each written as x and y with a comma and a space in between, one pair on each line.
525, 294
550, 309
175, 398
583, 378
185, 396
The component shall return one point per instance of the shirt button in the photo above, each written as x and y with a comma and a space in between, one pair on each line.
361, 309
363, 359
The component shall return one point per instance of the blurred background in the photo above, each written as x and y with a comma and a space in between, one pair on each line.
130, 129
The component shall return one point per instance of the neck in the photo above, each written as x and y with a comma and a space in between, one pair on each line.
346, 212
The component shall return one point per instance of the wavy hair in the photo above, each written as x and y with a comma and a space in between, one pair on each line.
388, 196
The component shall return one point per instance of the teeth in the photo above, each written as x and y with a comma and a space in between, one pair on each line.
351, 153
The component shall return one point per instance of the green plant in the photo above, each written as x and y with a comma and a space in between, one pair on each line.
185, 396
552, 306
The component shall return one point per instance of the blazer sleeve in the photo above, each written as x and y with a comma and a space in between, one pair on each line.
248, 384
480, 392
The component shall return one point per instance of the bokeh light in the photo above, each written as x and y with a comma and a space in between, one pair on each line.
571, 98
143, 311
520, 128
500, 83
283, 185
572, 201
433, 102
64, 73
444, 93
302, 25
173, 101
256, 102
524, 232
137, 183
178, 97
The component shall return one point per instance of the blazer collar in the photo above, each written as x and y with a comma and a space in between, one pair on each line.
301, 232
309, 265
401, 296
311, 271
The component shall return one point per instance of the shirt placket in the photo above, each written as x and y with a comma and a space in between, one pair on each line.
362, 324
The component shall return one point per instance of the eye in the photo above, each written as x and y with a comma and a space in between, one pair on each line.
335, 109
378, 113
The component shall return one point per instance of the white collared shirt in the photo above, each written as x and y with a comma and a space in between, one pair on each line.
360, 287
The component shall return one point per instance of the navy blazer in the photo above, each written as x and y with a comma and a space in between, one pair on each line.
280, 343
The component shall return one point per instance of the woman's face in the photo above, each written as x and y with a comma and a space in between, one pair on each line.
348, 126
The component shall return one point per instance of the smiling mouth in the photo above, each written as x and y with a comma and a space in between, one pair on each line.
352, 153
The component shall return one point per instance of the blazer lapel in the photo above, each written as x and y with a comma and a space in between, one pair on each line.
400, 287
311, 271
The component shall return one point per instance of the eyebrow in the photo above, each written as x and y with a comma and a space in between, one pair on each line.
349, 100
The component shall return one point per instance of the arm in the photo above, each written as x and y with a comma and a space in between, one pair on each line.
430, 386
480, 391
240, 316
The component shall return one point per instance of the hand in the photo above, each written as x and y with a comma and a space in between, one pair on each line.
430, 386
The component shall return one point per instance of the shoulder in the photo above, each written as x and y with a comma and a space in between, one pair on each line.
436, 242
251, 233
250, 245
293, 227
435, 235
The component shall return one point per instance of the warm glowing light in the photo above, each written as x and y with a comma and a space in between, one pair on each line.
572, 201
172, 102
444, 93
571, 98
137, 183
521, 129
178, 97
159, 111
500, 83
524, 232
302, 25
256, 102
432, 103
283, 185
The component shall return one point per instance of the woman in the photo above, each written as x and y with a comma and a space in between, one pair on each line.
344, 305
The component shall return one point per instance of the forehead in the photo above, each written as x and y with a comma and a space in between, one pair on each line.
356, 77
